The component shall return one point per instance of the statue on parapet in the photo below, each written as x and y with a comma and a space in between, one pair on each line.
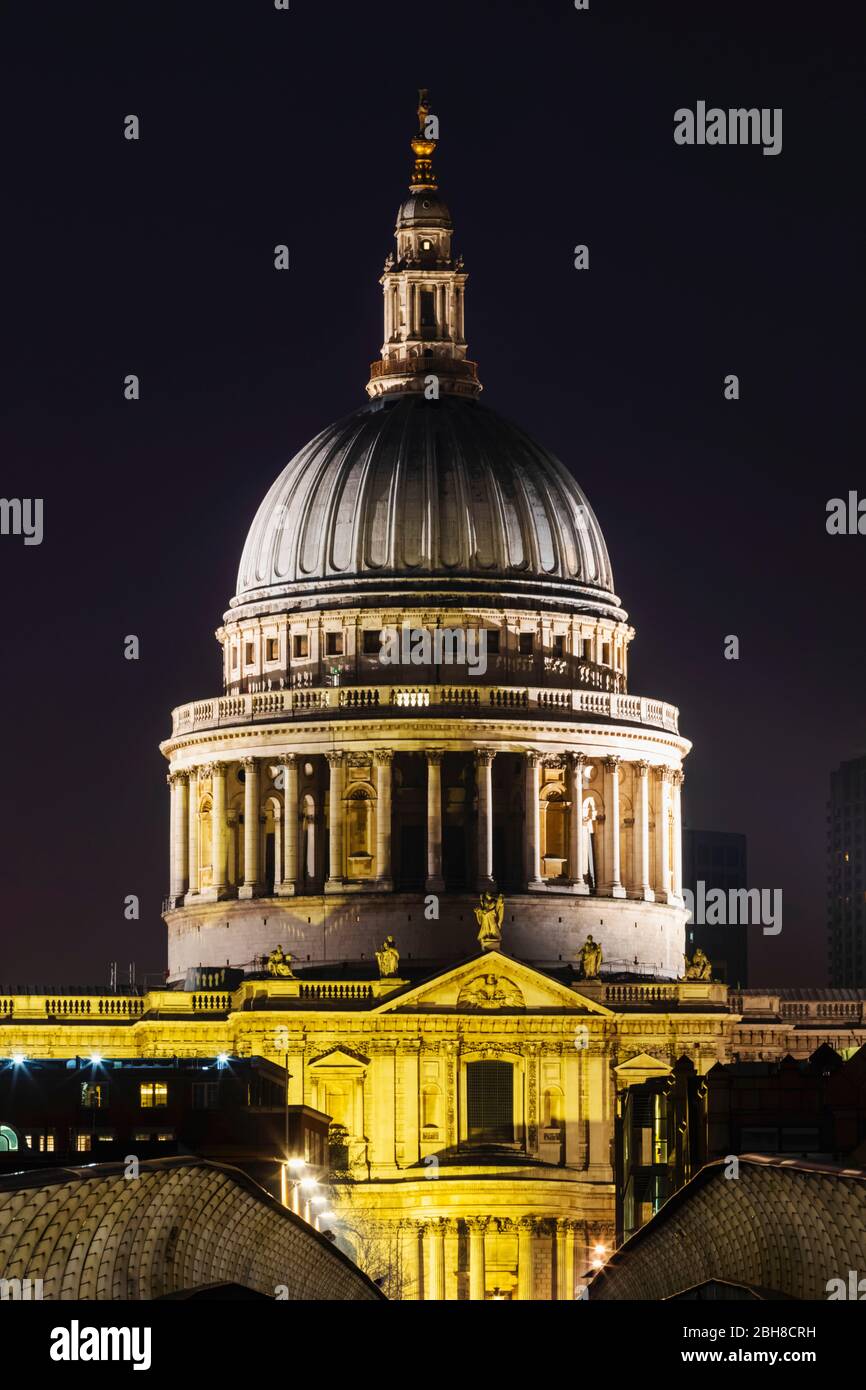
280, 964
489, 914
590, 959
388, 958
700, 967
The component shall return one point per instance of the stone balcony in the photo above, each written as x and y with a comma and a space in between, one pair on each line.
406, 700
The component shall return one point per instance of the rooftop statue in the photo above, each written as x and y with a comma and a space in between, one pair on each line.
489, 915
388, 958
280, 964
590, 959
700, 967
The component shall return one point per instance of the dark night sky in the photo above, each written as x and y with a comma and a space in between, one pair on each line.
261, 127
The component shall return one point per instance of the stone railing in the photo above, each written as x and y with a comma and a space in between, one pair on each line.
105, 1008
228, 710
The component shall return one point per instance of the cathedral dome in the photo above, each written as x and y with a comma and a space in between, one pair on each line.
410, 497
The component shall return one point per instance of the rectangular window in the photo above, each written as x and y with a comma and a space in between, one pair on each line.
490, 1102
272, 649
91, 1096
492, 640
526, 643
205, 1095
333, 644
300, 645
587, 649
234, 658
559, 645
250, 653
153, 1094
82, 1143
605, 653
372, 641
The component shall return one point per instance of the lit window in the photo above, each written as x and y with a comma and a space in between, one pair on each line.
82, 1143
153, 1094
91, 1096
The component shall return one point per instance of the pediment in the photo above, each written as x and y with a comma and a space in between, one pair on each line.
492, 982
338, 1057
642, 1067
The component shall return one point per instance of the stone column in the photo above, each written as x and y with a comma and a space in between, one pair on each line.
642, 887
598, 1115
484, 783
525, 1252
677, 866
612, 886
179, 837
219, 877
576, 842
289, 885
435, 882
193, 849
335, 823
413, 1281
663, 858
384, 758
532, 818
251, 885
451, 1248
477, 1274
565, 1259
434, 1241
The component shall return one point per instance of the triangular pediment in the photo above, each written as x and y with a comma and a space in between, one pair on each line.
642, 1067
338, 1057
492, 982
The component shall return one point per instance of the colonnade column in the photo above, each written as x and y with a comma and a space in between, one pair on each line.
289, 885
484, 782
252, 877
179, 867
435, 882
678, 779
335, 823
413, 1279
434, 1243
576, 841
532, 820
612, 886
663, 856
219, 838
193, 842
642, 887
384, 758
564, 1259
525, 1252
477, 1271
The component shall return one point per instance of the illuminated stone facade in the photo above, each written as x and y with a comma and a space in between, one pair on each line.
327, 798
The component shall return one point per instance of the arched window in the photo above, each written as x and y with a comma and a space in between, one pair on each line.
552, 1108
8, 1140
308, 837
431, 1103
205, 842
359, 832
490, 1102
